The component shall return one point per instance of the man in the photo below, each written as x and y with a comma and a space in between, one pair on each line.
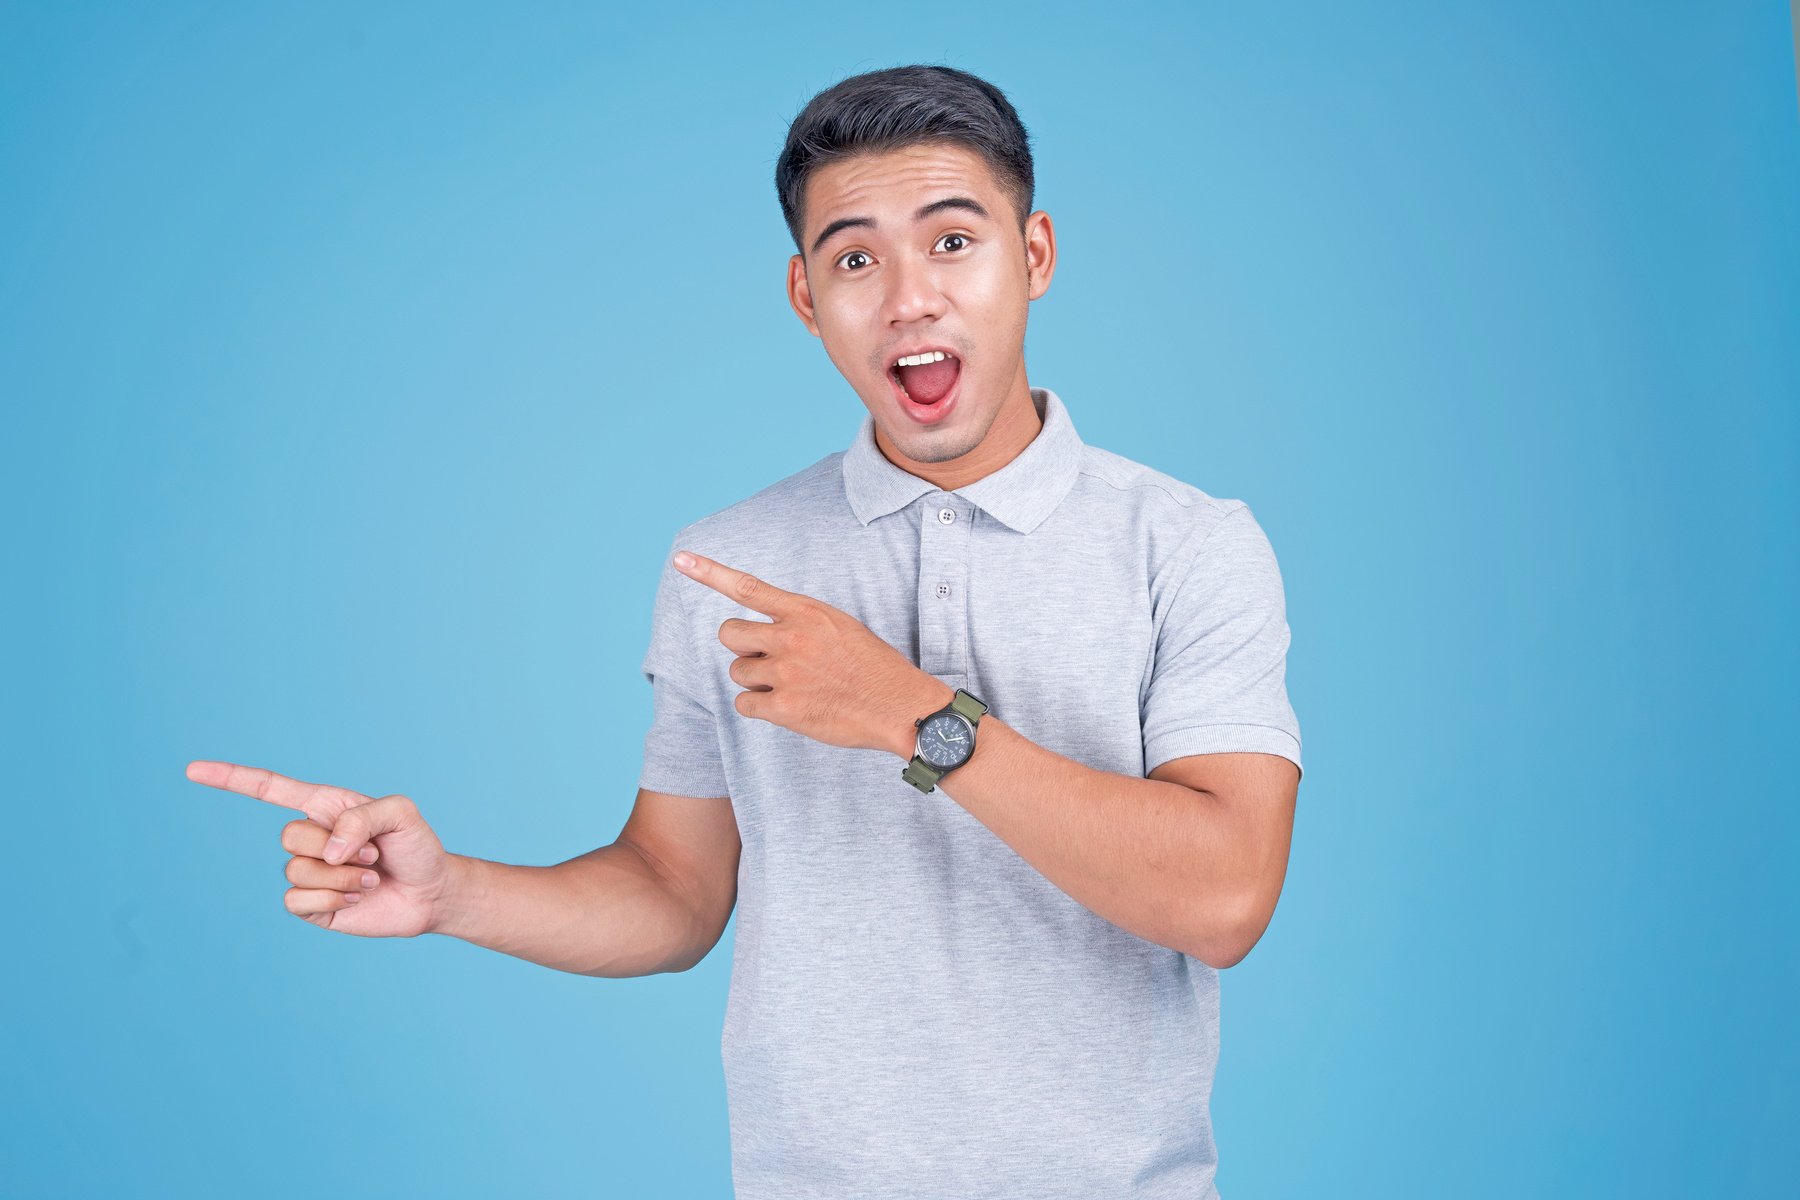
904, 701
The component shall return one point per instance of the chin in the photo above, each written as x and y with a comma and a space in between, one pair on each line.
924, 447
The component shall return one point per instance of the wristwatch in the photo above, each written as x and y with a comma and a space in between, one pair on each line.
946, 740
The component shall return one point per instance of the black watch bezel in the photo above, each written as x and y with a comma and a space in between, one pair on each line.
919, 741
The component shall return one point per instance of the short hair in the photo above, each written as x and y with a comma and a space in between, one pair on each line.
897, 107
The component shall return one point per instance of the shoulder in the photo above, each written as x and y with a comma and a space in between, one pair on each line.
1171, 512
790, 502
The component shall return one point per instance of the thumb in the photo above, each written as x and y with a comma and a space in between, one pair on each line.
355, 826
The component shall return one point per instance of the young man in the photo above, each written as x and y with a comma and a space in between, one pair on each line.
981, 729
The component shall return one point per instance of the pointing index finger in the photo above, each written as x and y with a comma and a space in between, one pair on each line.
741, 586
309, 798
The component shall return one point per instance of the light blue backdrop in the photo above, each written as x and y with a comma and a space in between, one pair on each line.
361, 361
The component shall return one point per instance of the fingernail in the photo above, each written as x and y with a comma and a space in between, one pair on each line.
370, 879
334, 849
684, 560
352, 897
366, 854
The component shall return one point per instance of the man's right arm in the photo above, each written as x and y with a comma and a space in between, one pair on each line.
655, 900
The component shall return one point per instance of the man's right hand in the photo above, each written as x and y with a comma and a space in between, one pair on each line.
381, 838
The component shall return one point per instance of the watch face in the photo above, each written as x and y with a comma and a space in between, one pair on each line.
945, 740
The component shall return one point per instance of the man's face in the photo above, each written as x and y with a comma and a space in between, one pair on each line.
894, 282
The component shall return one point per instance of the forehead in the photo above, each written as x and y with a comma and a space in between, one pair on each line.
867, 184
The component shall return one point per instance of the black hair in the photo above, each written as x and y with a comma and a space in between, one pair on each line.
897, 107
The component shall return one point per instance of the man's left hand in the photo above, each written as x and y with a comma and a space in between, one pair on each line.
816, 669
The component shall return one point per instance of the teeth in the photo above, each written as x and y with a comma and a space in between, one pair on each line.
917, 360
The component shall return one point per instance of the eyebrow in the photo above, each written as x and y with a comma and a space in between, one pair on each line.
936, 206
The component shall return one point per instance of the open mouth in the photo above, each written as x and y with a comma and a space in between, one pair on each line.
926, 380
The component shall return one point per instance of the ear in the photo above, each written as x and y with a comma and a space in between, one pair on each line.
800, 294
1040, 253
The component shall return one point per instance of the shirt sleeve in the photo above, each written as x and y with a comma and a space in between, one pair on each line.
1219, 679
681, 751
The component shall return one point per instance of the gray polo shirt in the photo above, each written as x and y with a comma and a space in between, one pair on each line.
914, 1010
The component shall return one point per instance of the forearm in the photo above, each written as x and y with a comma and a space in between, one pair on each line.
1155, 858
607, 913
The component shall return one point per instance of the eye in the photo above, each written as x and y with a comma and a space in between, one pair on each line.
852, 254
963, 238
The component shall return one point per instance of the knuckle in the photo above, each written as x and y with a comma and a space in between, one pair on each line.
341, 798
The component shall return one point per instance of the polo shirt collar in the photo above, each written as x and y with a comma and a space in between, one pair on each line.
1019, 495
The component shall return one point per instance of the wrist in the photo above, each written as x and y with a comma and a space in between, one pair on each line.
455, 905
930, 695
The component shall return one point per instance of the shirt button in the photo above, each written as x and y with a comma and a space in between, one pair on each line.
946, 515
943, 590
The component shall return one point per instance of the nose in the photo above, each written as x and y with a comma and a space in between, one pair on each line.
912, 293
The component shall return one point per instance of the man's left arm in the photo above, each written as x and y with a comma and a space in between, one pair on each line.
1191, 858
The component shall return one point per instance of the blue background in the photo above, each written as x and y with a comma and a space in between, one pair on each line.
361, 361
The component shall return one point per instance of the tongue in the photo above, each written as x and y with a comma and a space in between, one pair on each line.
931, 382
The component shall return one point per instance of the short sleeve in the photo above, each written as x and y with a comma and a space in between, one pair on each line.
1218, 682
681, 751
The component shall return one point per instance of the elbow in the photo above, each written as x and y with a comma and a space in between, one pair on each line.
1221, 953
1226, 939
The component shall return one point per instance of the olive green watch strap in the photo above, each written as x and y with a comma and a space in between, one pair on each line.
922, 774
966, 704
